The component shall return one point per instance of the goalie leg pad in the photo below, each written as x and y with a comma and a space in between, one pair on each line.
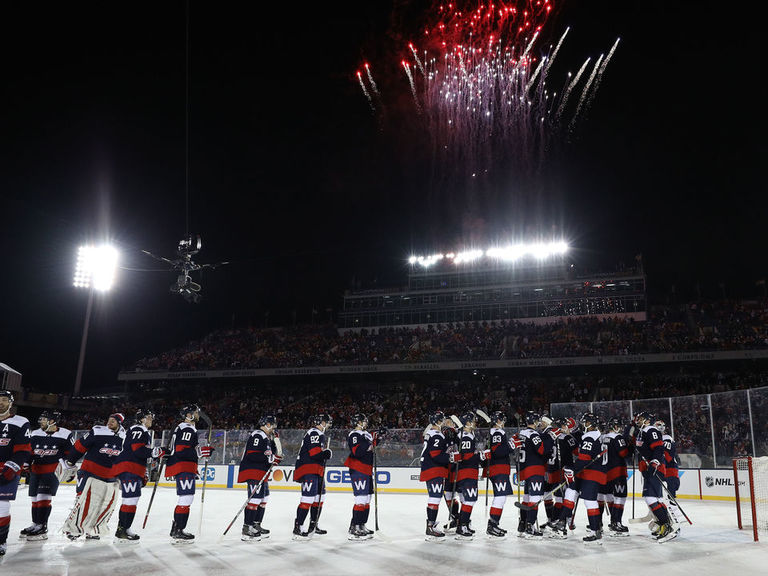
93, 508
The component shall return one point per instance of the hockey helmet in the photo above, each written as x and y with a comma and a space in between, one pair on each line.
44, 414
359, 419
437, 418
189, 409
643, 416
498, 416
590, 421
531, 418
318, 419
615, 424
142, 413
7, 394
467, 418
267, 420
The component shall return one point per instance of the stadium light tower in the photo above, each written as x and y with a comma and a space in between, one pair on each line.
95, 270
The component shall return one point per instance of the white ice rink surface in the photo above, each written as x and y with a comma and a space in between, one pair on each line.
712, 546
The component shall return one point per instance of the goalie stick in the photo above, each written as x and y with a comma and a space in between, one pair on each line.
526, 506
207, 419
669, 494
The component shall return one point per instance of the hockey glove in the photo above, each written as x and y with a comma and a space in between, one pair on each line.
144, 480
65, 471
277, 459
9, 472
485, 455
454, 457
654, 465
569, 475
204, 451
159, 452
327, 454
515, 442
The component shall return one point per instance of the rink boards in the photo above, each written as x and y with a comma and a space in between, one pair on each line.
694, 484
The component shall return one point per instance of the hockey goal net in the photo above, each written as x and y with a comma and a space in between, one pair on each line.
750, 480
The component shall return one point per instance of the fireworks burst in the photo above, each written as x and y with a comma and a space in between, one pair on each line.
478, 79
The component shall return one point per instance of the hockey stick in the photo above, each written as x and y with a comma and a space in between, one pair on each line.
250, 495
572, 525
154, 489
669, 494
486, 465
517, 458
634, 474
375, 491
207, 419
459, 425
321, 485
526, 506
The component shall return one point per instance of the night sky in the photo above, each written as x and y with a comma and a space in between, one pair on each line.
294, 180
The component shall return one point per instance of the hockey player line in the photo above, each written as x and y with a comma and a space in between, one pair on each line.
526, 506
669, 494
208, 421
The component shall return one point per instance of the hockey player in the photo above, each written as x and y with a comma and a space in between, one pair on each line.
435, 459
450, 496
533, 458
49, 444
584, 479
566, 451
650, 446
360, 463
131, 471
499, 470
310, 472
617, 451
14, 452
672, 473
96, 486
261, 454
553, 470
466, 482
182, 466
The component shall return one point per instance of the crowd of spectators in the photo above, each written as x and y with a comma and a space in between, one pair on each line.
699, 326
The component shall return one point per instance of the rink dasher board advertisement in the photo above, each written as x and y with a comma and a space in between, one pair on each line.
694, 484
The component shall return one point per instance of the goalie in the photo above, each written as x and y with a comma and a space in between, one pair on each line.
96, 484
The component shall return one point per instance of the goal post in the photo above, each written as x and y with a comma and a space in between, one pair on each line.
750, 481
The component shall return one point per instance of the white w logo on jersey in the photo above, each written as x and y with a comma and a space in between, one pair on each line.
306, 486
500, 486
131, 486
436, 487
472, 492
186, 484
535, 486
361, 484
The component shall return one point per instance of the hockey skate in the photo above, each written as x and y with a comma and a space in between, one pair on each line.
464, 533
92, 537
179, 536
125, 535
38, 533
27, 530
298, 533
532, 532
667, 532
263, 531
617, 529
494, 531
593, 537
433, 533
367, 530
358, 533
2, 549
250, 534
559, 529
315, 529
450, 527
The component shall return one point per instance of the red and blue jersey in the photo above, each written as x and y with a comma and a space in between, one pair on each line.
591, 454
14, 441
434, 456
311, 458
500, 451
183, 446
137, 449
469, 458
617, 450
670, 457
255, 461
99, 449
533, 456
48, 448
360, 457
650, 446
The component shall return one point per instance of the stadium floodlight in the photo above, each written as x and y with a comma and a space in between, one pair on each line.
95, 267
468, 256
